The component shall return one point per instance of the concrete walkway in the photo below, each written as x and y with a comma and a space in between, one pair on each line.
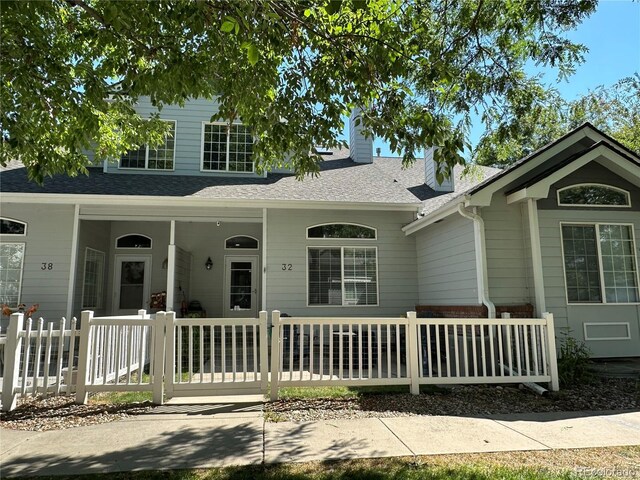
198, 436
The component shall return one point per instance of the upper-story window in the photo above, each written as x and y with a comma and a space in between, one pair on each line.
9, 226
593, 195
342, 231
227, 148
133, 240
160, 158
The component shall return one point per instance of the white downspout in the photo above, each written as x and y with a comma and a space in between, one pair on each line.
481, 259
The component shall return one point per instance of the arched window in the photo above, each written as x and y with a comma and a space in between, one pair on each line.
342, 231
241, 242
9, 226
133, 240
593, 195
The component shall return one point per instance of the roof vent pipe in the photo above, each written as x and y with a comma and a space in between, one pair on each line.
481, 259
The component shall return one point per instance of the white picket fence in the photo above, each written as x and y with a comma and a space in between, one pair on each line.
172, 356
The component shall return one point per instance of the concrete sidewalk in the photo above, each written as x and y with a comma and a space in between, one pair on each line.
200, 436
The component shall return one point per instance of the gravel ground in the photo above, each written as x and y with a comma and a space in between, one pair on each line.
606, 394
51, 413
55, 413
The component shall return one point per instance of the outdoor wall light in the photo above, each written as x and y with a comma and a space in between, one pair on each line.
208, 264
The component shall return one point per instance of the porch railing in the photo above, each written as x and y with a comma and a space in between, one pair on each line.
198, 356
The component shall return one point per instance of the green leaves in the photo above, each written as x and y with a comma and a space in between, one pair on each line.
72, 72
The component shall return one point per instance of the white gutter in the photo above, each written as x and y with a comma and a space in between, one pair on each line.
481, 259
438, 214
131, 200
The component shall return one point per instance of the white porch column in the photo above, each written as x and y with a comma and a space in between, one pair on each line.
74, 259
536, 256
171, 266
264, 260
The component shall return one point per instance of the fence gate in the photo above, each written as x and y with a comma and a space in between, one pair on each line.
215, 356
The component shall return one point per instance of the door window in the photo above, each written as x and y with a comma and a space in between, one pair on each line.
240, 290
132, 285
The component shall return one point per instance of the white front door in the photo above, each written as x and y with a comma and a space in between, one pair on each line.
241, 287
132, 284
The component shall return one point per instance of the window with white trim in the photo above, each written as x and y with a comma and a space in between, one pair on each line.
593, 195
342, 230
11, 264
227, 148
342, 276
600, 263
133, 240
93, 283
9, 226
161, 157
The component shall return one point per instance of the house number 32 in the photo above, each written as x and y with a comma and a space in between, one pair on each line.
287, 267
47, 266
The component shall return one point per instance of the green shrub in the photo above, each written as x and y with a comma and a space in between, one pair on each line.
573, 362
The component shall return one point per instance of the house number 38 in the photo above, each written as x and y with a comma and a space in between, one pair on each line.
46, 266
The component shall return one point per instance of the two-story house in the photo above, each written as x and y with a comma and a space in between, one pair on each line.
190, 227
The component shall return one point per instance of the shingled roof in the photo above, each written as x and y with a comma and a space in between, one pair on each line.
341, 180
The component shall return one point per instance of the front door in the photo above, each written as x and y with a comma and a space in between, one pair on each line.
241, 288
131, 289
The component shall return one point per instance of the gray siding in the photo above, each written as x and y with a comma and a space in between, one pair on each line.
92, 235
592, 173
48, 240
287, 244
446, 261
571, 317
182, 283
506, 252
188, 138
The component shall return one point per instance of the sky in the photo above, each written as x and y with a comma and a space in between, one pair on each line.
612, 36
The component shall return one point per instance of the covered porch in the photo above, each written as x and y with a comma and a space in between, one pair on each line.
195, 261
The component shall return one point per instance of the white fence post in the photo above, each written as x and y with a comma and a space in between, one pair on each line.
552, 356
264, 352
412, 352
169, 355
12, 362
83, 356
275, 353
162, 318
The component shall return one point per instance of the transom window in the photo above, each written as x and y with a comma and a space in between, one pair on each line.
342, 276
160, 158
593, 195
341, 230
227, 148
133, 240
92, 286
12, 227
241, 242
600, 263
11, 263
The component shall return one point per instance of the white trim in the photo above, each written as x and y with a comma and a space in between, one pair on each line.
536, 256
24, 249
14, 220
264, 259
596, 225
375, 231
342, 247
74, 259
134, 248
146, 154
226, 124
171, 267
240, 248
431, 218
84, 279
586, 337
137, 200
579, 205
117, 271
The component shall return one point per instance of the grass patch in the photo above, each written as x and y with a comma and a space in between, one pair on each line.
336, 393
119, 398
536, 465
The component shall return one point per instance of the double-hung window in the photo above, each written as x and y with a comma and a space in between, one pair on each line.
343, 275
600, 263
227, 148
160, 158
